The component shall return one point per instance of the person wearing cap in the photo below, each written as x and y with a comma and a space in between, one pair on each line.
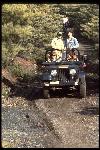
57, 42
57, 45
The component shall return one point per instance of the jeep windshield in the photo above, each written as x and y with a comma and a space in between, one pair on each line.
63, 63
66, 57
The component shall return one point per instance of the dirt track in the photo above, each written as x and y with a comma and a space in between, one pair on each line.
61, 121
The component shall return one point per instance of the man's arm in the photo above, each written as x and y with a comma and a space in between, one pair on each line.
65, 44
53, 43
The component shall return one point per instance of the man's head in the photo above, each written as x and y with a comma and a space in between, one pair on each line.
59, 34
65, 19
70, 33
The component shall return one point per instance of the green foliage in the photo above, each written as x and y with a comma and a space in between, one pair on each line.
18, 71
22, 74
86, 18
5, 91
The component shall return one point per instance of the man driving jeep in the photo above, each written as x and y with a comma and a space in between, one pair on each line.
72, 56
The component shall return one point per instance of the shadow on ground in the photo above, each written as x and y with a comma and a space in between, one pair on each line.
92, 79
28, 91
89, 111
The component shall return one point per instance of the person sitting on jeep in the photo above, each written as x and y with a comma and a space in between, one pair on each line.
48, 57
57, 45
72, 56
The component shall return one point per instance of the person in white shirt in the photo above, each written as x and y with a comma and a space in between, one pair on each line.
57, 42
57, 45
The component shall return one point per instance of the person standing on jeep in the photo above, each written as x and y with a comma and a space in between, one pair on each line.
71, 42
57, 45
57, 42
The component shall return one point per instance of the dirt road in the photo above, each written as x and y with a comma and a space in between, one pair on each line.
61, 121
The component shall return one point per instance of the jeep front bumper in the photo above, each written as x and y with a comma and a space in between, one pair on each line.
60, 83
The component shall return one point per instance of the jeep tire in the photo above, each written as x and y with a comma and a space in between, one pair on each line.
82, 87
46, 93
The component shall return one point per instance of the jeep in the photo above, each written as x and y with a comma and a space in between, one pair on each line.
64, 73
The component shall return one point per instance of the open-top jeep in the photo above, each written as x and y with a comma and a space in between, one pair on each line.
64, 72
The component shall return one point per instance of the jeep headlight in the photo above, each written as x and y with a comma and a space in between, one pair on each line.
53, 72
72, 71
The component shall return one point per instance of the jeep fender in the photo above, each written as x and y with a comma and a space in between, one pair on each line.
46, 77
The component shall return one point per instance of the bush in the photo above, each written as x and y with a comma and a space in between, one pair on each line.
5, 91
22, 74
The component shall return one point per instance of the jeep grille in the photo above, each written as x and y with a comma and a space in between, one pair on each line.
63, 74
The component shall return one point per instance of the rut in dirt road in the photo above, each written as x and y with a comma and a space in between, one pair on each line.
75, 120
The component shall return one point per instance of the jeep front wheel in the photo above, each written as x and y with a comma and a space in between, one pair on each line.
46, 93
82, 89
